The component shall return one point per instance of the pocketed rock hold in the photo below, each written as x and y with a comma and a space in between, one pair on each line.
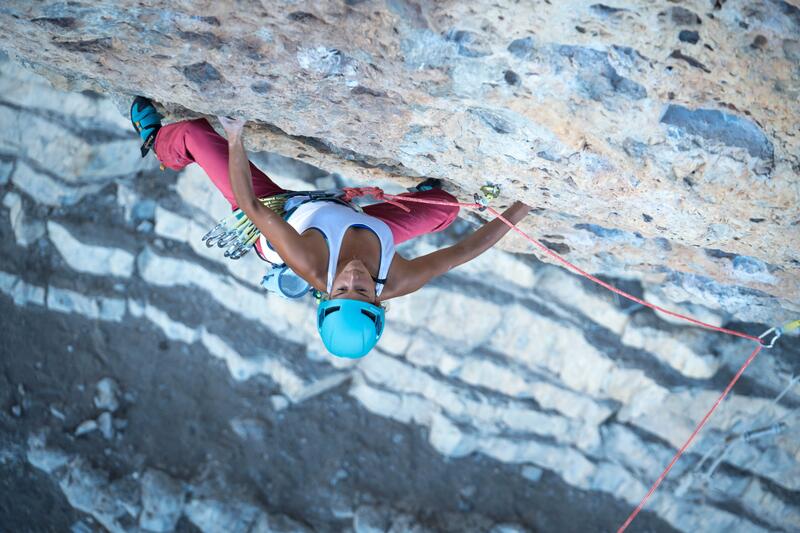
522, 48
759, 42
201, 73
684, 17
688, 36
721, 127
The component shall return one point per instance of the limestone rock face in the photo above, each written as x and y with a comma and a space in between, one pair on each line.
508, 395
655, 140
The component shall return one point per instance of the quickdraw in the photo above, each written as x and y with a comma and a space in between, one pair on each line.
237, 234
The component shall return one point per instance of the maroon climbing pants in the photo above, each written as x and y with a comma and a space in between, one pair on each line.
195, 141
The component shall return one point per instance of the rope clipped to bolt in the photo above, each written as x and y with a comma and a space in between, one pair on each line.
490, 192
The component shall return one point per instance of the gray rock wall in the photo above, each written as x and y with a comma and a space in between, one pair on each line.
154, 384
657, 140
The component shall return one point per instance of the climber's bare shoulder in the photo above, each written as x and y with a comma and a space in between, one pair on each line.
409, 275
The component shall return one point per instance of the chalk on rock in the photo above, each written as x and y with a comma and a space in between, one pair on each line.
106, 395
85, 427
162, 501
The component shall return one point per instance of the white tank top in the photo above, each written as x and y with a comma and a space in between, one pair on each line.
333, 220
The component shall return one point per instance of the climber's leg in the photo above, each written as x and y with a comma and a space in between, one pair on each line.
422, 219
195, 141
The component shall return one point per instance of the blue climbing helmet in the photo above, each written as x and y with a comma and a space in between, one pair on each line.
349, 328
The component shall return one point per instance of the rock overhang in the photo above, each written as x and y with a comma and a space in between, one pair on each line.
599, 115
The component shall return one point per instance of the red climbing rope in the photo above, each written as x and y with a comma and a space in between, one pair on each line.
376, 192
557, 257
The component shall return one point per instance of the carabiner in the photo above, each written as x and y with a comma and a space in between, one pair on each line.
491, 191
777, 332
481, 201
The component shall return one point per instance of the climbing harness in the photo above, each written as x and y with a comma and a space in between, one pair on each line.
237, 235
482, 204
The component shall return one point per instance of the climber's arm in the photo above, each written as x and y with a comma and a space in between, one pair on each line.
410, 275
283, 237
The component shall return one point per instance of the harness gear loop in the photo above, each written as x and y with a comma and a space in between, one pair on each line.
350, 193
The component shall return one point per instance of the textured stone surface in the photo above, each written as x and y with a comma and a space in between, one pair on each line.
162, 501
553, 409
656, 141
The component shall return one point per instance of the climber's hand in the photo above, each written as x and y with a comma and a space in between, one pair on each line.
232, 126
521, 206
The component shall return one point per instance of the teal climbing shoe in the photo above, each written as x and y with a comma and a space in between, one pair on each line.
146, 121
427, 185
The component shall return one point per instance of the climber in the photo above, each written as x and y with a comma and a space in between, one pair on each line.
350, 256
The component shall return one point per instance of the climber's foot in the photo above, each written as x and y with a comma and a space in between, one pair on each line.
146, 121
427, 185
